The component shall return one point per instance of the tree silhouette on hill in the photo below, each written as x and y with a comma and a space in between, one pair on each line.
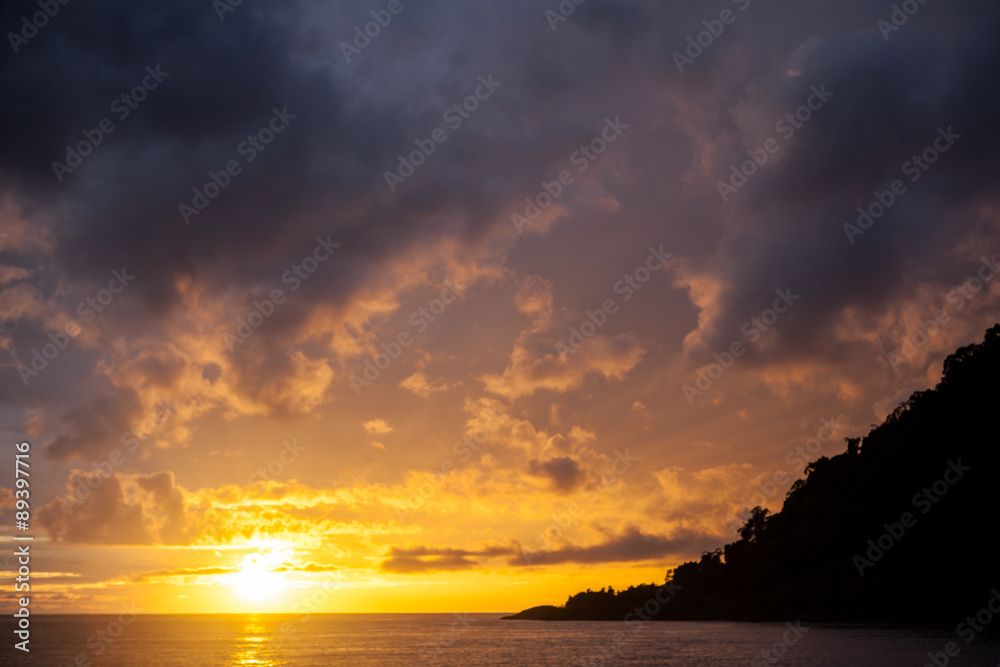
900, 527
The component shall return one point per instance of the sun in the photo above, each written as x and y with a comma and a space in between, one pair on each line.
257, 581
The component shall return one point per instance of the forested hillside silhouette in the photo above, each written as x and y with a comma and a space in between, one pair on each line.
902, 526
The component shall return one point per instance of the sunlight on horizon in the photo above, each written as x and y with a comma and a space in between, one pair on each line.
258, 581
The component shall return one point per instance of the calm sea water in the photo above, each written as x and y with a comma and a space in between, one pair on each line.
376, 640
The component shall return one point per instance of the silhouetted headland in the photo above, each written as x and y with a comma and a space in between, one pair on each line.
902, 527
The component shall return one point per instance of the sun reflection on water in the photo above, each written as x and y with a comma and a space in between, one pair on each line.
254, 646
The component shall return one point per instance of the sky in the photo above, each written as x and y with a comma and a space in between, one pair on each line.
425, 306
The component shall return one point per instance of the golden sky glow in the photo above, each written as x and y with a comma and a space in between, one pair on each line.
439, 487
429, 395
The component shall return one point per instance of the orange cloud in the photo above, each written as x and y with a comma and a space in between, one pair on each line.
423, 387
120, 509
611, 358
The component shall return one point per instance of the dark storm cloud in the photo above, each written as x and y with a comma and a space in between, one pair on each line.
632, 545
98, 510
104, 517
891, 98
564, 472
323, 174
417, 560
98, 421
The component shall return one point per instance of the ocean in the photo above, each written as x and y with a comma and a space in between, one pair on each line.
377, 640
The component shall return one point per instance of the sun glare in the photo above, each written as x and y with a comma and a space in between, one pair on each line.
257, 581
